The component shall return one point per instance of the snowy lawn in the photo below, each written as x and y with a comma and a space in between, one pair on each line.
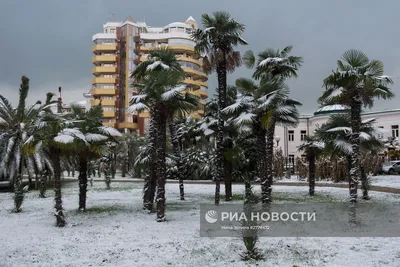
115, 232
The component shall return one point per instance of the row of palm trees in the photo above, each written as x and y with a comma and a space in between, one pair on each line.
34, 138
217, 41
253, 107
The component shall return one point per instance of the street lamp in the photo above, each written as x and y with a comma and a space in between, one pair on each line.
277, 139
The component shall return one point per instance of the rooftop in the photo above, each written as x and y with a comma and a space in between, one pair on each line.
331, 109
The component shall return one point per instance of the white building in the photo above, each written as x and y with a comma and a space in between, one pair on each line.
291, 138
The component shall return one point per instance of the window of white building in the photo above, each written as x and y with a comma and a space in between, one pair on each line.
291, 135
380, 135
395, 130
303, 135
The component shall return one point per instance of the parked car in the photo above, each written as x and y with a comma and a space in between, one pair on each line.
391, 167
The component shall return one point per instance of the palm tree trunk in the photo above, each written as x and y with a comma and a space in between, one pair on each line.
36, 180
60, 219
311, 173
161, 168
123, 167
29, 180
43, 182
83, 179
261, 150
149, 187
266, 185
355, 113
228, 179
18, 190
178, 156
221, 75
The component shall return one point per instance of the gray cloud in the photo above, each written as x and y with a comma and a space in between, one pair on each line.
50, 41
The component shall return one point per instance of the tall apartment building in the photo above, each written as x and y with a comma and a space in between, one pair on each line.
121, 47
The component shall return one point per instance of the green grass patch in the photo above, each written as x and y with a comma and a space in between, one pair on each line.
303, 198
103, 209
176, 206
235, 197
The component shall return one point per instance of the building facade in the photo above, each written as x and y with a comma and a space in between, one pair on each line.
124, 45
291, 138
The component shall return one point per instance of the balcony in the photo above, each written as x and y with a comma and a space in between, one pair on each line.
101, 91
104, 48
103, 80
196, 74
192, 60
175, 48
128, 125
108, 114
196, 84
104, 102
108, 70
100, 59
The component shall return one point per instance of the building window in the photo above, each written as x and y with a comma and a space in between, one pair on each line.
395, 130
291, 135
380, 135
303, 135
291, 159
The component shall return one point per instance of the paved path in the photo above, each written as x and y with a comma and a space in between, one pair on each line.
339, 185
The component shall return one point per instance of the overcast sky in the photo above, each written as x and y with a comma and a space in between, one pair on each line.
50, 41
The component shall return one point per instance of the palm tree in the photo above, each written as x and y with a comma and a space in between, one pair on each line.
275, 63
93, 145
336, 135
209, 124
263, 106
160, 91
53, 131
356, 82
284, 113
217, 41
15, 126
159, 60
312, 147
179, 106
274, 66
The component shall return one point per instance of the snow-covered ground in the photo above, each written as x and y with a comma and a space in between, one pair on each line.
115, 232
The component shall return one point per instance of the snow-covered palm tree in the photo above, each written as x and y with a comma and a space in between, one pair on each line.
93, 145
58, 135
160, 91
336, 134
217, 41
277, 63
258, 108
209, 126
159, 61
356, 82
179, 106
15, 131
275, 66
